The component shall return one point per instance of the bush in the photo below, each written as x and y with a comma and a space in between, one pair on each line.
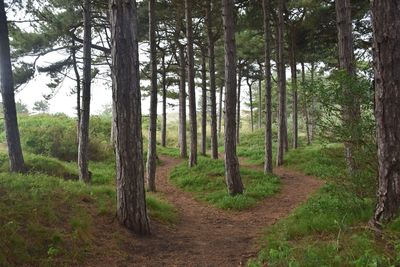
55, 136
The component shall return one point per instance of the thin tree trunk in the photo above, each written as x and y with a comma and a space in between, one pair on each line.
164, 103
268, 165
213, 89
182, 96
306, 115
386, 25
259, 97
239, 89
232, 173
131, 203
221, 109
295, 129
346, 58
282, 87
191, 85
152, 142
78, 87
83, 142
15, 155
249, 84
203, 103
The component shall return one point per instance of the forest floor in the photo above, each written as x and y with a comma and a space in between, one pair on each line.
203, 235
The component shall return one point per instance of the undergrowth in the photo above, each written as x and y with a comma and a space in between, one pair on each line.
207, 183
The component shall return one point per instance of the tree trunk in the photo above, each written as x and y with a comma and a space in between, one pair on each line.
346, 58
78, 87
239, 89
221, 109
164, 103
282, 86
191, 85
182, 96
259, 97
268, 165
203, 103
152, 142
15, 156
83, 142
295, 129
213, 89
131, 203
232, 173
386, 25
306, 115
249, 84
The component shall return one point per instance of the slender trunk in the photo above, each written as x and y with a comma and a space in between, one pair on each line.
182, 97
282, 87
83, 142
152, 142
221, 109
386, 25
131, 201
78, 87
259, 97
203, 103
232, 173
249, 84
305, 103
213, 89
346, 58
239, 89
295, 129
15, 155
312, 108
191, 85
164, 103
268, 165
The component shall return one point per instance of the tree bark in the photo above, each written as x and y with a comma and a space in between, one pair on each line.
306, 108
131, 203
249, 84
386, 25
260, 97
282, 86
182, 95
295, 129
16, 158
164, 103
232, 173
213, 89
239, 89
78, 87
346, 58
191, 85
268, 165
221, 109
83, 142
152, 142
203, 103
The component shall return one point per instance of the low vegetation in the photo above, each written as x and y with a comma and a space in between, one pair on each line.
207, 183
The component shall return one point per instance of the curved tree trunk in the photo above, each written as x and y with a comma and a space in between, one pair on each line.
15, 156
213, 89
191, 85
386, 25
131, 203
152, 142
78, 87
203, 103
282, 134
83, 141
268, 165
232, 173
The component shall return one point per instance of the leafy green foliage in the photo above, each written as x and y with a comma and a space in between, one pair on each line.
206, 181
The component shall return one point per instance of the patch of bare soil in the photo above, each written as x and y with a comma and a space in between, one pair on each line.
204, 235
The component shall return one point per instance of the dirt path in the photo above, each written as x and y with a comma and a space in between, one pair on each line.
204, 236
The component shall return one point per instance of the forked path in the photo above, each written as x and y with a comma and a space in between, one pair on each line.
204, 235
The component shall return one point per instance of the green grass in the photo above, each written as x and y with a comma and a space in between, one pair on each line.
330, 228
206, 182
48, 221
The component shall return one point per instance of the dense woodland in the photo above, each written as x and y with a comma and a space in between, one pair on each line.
272, 136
